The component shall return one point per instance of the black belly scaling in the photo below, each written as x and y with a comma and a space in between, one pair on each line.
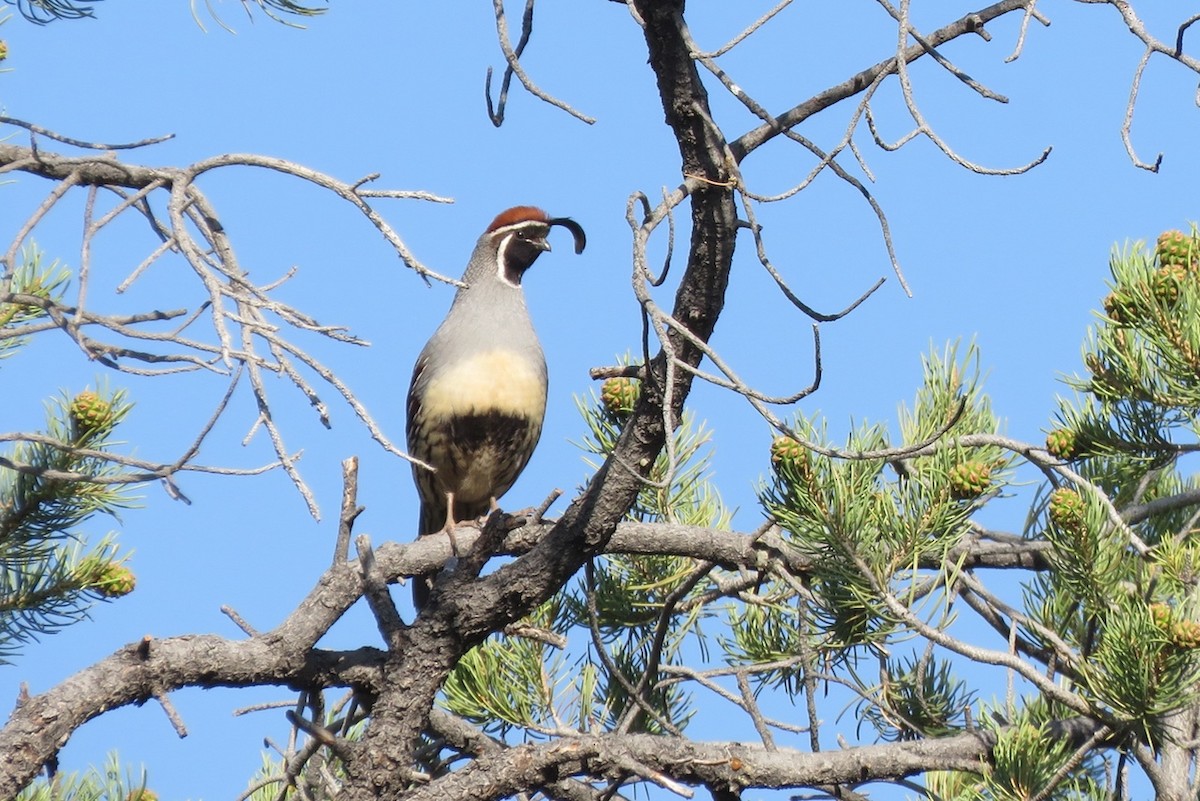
489, 431
499, 443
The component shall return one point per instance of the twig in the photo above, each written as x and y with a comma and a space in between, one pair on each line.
46, 132
1127, 122
375, 589
350, 509
513, 57
241, 623
172, 715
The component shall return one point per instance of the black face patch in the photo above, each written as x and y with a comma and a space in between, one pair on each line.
520, 249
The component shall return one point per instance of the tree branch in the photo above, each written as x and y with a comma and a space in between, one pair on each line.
503, 773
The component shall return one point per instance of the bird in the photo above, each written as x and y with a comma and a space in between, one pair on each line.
478, 393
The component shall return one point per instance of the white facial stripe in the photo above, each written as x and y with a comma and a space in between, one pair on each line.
501, 265
518, 225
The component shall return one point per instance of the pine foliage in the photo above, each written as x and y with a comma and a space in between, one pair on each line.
113, 782
50, 486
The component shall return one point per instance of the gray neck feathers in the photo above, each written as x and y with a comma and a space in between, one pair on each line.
488, 313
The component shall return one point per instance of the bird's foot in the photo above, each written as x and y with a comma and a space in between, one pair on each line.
477, 523
515, 520
453, 541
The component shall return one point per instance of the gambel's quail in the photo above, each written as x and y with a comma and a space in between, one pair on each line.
478, 392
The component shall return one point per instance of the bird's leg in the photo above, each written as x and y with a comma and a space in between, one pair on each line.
495, 507
451, 524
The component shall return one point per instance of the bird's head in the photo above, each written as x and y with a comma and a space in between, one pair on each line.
518, 236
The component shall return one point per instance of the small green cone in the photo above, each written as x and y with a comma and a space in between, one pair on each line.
619, 396
1167, 282
1067, 509
970, 480
115, 581
1062, 443
91, 415
1176, 247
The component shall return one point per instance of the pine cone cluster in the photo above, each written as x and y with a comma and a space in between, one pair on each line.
1184, 633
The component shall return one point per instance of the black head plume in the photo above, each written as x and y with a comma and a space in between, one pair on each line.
576, 231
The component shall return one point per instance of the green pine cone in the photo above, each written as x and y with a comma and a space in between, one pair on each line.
787, 452
115, 581
1105, 384
791, 462
1167, 281
1176, 247
1186, 634
1120, 307
1062, 443
619, 396
1067, 509
90, 414
1161, 613
970, 480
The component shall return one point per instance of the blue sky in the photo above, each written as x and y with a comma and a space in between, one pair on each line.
1017, 263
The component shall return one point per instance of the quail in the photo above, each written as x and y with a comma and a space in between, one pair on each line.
478, 392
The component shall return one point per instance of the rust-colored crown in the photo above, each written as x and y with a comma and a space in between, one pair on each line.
518, 214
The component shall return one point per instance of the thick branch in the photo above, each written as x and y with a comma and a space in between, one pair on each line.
507, 772
40, 725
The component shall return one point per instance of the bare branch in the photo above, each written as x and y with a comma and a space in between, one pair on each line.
248, 329
1127, 122
905, 29
37, 129
513, 57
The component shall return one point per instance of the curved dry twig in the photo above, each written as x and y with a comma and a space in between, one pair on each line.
825, 160
67, 140
1183, 28
1127, 122
944, 62
1153, 45
761, 249
1031, 12
143, 470
513, 57
905, 29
